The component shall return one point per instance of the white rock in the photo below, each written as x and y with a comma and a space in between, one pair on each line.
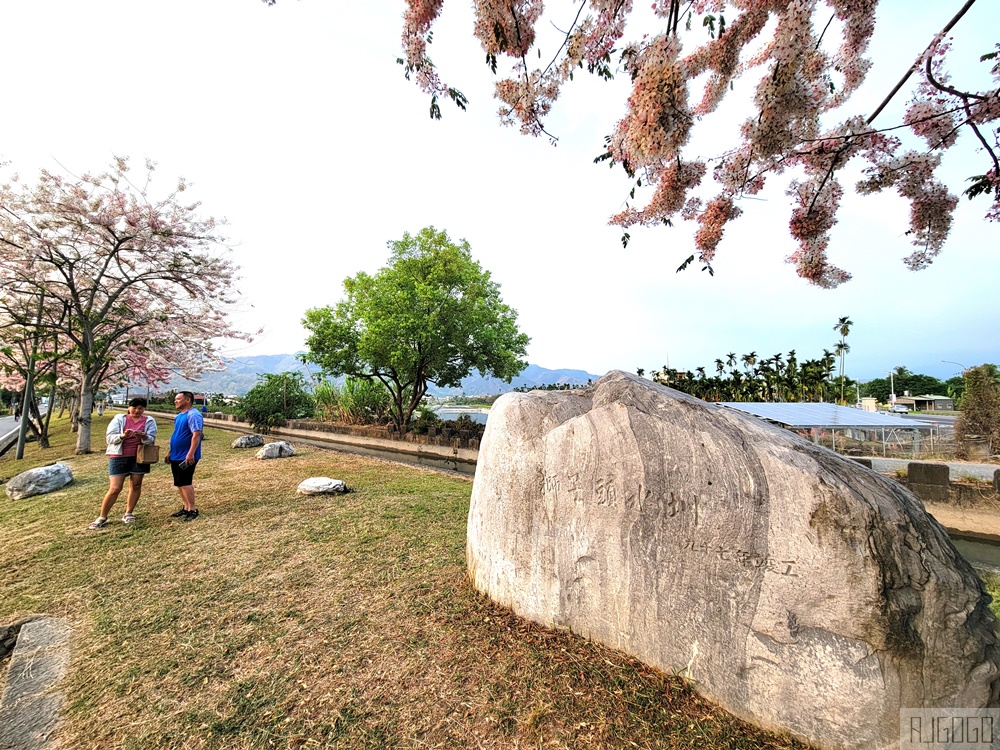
248, 441
797, 589
39, 481
321, 486
280, 449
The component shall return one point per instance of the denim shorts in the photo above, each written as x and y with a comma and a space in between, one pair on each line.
121, 465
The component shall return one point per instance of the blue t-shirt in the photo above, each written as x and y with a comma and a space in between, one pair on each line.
185, 425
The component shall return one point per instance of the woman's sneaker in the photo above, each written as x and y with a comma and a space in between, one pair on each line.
179, 514
191, 515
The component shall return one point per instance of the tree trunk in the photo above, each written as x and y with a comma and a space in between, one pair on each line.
74, 412
37, 424
415, 400
48, 412
86, 405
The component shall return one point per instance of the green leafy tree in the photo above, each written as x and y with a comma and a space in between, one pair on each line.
904, 381
432, 315
276, 399
955, 387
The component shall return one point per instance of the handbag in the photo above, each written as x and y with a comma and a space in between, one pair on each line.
147, 454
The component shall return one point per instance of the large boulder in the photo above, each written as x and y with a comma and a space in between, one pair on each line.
39, 481
799, 590
248, 441
280, 449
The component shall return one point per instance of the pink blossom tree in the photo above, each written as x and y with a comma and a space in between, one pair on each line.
805, 59
23, 347
134, 286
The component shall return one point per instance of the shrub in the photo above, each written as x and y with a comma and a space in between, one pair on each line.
426, 418
325, 395
980, 405
364, 401
274, 400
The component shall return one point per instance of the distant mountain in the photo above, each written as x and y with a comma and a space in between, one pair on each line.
532, 376
242, 374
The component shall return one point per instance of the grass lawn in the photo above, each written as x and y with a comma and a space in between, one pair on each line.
282, 621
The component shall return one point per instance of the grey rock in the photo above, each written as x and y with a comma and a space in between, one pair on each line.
321, 486
39, 481
280, 449
797, 589
248, 441
29, 711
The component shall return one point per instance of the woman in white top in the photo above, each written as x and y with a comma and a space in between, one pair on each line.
125, 433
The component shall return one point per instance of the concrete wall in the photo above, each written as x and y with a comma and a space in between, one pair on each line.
930, 482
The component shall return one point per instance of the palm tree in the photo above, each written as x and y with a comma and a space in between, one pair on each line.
843, 327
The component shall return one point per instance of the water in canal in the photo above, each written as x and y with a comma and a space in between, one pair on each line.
984, 556
449, 414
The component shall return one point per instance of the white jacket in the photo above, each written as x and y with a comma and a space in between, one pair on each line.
117, 426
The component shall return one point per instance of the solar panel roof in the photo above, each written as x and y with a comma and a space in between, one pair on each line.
823, 415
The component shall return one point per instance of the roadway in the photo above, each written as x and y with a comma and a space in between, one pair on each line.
946, 421
7, 425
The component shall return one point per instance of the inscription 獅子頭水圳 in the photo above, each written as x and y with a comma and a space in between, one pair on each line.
609, 491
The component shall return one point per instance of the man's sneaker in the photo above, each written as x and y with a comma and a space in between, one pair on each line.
191, 515
179, 514
100, 523
128, 518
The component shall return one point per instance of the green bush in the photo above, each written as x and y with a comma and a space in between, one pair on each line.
326, 396
274, 400
426, 418
364, 401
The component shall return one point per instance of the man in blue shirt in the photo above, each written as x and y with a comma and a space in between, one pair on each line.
185, 451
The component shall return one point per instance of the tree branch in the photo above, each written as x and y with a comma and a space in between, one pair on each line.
905, 78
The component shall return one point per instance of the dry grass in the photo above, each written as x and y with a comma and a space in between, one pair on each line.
288, 622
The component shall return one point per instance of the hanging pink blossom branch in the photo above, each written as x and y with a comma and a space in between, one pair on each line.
799, 81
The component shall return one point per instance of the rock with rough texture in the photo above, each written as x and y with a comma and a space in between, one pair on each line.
32, 700
281, 449
39, 481
797, 589
248, 441
321, 486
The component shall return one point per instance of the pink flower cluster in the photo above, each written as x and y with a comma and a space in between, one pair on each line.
605, 31
658, 122
417, 21
506, 27
672, 186
719, 212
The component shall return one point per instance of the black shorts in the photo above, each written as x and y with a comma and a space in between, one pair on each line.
182, 477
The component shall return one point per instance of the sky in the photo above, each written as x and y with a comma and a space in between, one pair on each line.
296, 125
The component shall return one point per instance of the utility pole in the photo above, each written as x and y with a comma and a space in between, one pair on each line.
892, 390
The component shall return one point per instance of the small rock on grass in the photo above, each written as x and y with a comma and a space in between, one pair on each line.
321, 486
281, 449
248, 441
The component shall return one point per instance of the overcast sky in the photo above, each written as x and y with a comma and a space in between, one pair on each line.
295, 124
